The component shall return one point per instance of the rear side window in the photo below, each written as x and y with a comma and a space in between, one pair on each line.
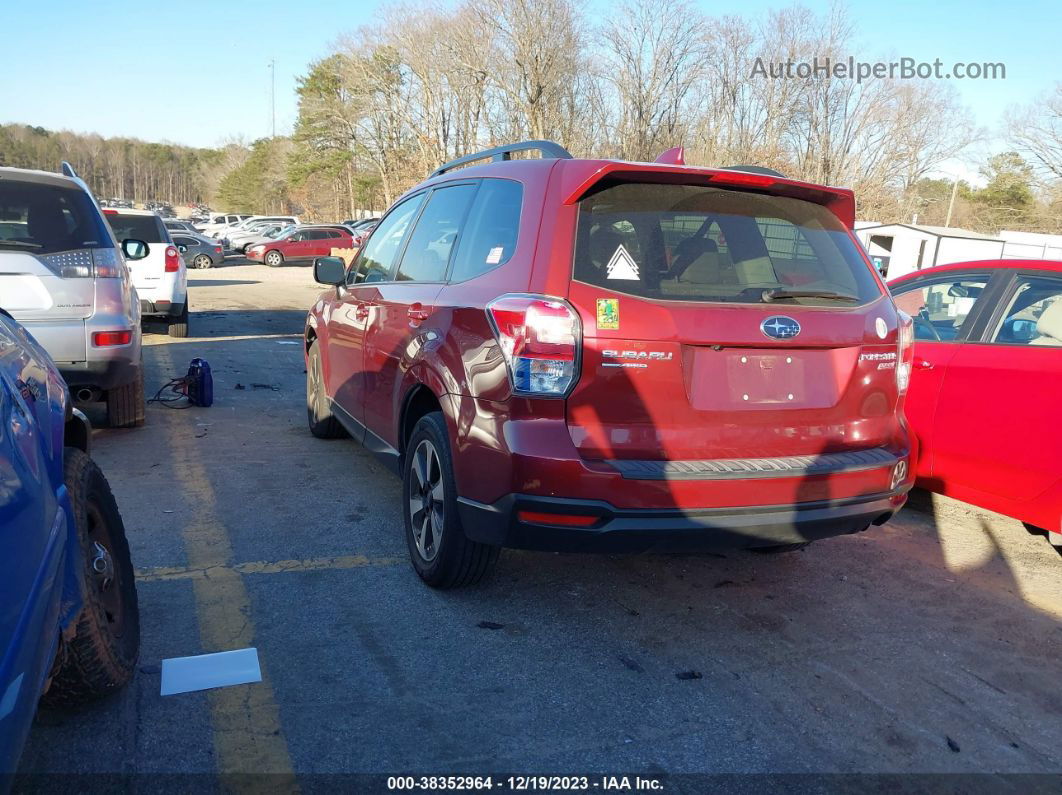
378, 256
45, 219
148, 228
491, 230
691, 243
428, 251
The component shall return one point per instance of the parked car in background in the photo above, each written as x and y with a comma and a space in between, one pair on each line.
264, 233
179, 226
356, 223
593, 354
70, 628
161, 278
198, 251
362, 232
232, 238
64, 277
218, 222
247, 224
986, 384
301, 244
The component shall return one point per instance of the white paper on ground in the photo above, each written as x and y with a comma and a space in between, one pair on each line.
206, 671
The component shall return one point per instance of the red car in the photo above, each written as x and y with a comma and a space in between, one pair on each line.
589, 354
301, 244
986, 384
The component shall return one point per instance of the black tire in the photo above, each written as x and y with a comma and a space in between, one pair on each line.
780, 548
125, 404
457, 561
103, 653
273, 258
202, 262
179, 327
323, 423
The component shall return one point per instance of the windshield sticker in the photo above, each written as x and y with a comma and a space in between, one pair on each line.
495, 255
608, 313
622, 266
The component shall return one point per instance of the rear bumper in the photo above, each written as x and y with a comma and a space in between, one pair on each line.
100, 374
160, 308
626, 530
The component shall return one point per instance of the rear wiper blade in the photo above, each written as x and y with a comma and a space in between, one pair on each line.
781, 293
18, 244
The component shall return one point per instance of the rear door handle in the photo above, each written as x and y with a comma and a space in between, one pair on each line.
922, 364
417, 312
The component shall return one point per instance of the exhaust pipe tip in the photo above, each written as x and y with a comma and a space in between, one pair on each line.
85, 395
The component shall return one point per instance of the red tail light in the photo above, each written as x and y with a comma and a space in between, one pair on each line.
173, 263
104, 339
108, 211
540, 338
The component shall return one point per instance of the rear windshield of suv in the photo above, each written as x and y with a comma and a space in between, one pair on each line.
693, 243
45, 219
148, 228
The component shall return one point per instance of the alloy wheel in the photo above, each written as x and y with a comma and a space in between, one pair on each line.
426, 500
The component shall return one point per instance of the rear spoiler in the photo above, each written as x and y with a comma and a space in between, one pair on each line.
839, 201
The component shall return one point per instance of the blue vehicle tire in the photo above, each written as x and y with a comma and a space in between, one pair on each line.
102, 654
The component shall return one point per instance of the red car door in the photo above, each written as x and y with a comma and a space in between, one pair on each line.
349, 313
400, 316
998, 432
322, 241
942, 308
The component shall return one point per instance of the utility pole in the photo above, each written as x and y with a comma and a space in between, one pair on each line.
951, 203
273, 93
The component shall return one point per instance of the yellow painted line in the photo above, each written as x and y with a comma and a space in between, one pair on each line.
246, 720
265, 567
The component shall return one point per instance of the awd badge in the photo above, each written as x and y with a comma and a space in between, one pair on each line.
608, 313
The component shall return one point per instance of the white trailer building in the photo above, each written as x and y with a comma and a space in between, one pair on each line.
898, 249
1031, 245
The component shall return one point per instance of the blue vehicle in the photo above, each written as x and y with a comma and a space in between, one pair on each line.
69, 621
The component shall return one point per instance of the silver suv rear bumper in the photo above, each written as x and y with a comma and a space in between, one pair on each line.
101, 374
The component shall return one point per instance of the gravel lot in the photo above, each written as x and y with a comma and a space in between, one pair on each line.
932, 644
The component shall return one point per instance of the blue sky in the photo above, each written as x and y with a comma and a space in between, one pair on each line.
120, 68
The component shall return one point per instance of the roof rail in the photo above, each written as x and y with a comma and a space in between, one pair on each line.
68, 170
770, 172
549, 149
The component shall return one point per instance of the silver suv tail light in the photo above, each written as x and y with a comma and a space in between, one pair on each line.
84, 263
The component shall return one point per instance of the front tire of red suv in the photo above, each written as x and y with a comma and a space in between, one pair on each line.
323, 423
441, 553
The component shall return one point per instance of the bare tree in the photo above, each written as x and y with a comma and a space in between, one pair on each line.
654, 57
1037, 131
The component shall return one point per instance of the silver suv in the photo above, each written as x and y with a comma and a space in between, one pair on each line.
64, 277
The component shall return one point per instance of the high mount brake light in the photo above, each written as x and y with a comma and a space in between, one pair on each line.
540, 338
904, 351
741, 178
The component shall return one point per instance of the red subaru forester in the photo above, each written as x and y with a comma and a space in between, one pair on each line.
573, 354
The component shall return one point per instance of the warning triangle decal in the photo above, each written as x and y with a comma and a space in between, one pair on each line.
622, 266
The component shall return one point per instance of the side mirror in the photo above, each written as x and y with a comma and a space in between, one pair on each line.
329, 270
1021, 329
135, 249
